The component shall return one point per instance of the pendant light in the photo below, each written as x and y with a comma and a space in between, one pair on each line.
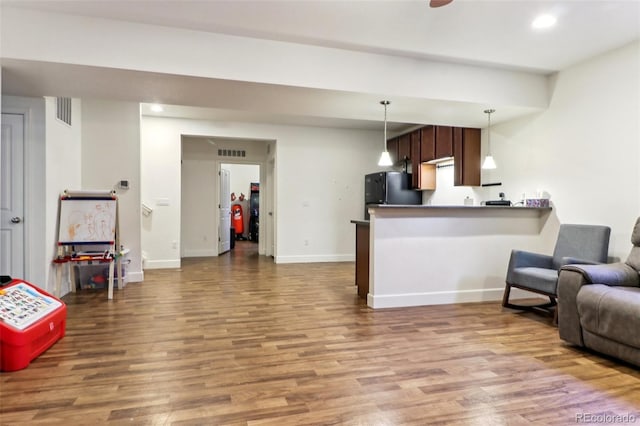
385, 158
489, 163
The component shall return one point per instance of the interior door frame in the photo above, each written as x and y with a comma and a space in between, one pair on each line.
16, 147
37, 266
270, 207
219, 204
262, 215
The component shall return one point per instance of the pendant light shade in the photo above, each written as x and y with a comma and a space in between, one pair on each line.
489, 162
385, 158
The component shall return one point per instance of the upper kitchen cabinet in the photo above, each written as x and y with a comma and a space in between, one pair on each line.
427, 143
423, 176
444, 141
466, 154
392, 147
414, 138
404, 148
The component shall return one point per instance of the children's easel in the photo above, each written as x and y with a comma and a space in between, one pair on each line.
88, 234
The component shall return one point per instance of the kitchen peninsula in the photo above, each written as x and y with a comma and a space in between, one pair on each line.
428, 255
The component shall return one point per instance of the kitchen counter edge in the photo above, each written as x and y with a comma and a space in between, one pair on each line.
446, 207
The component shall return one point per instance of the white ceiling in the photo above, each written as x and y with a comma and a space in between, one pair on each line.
495, 33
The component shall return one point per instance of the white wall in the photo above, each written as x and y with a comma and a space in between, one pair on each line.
199, 209
448, 194
319, 185
241, 177
584, 149
110, 153
63, 171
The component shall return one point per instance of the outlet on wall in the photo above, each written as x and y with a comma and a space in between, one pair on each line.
306, 242
174, 244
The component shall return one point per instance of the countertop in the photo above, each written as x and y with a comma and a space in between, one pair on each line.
450, 207
417, 210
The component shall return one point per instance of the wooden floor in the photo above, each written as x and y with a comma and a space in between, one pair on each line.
239, 340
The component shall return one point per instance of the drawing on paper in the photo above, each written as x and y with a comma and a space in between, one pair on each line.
87, 221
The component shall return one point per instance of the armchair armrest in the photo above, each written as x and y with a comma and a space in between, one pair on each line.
526, 259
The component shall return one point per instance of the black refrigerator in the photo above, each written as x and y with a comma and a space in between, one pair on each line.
389, 188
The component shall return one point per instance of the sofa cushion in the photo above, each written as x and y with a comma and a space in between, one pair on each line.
611, 312
540, 279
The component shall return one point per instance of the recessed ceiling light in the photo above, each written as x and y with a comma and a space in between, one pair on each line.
156, 108
544, 21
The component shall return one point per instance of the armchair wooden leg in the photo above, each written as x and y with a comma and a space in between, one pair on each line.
544, 307
505, 296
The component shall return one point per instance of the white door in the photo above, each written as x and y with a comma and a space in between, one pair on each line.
269, 193
12, 196
224, 230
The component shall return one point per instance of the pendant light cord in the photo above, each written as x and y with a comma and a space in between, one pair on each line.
385, 103
489, 112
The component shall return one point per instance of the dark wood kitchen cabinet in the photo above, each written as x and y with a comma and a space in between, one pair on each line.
404, 149
432, 142
444, 141
423, 176
415, 158
362, 258
392, 147
466, 156
427, 143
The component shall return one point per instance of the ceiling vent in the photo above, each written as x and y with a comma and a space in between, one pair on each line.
63, 110
232, 153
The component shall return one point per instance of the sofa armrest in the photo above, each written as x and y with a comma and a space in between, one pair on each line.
613, 274
526, 259
569, 284
572, 278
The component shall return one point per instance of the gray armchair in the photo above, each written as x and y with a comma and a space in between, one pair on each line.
538, 273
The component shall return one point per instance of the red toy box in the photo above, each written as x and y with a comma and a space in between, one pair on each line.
31, 321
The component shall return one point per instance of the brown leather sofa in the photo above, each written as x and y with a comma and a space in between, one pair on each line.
599, 305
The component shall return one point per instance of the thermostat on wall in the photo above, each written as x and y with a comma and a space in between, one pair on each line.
123, 184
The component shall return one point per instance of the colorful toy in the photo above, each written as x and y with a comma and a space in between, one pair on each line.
31, 321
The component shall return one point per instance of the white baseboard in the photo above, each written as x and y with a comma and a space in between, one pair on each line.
200, 253
162, 264
135, 277
316, 258
442, 297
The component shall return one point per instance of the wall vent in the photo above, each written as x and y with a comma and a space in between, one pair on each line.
232, 153
63, 110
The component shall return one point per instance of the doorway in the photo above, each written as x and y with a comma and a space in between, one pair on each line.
244, 184
203, 228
